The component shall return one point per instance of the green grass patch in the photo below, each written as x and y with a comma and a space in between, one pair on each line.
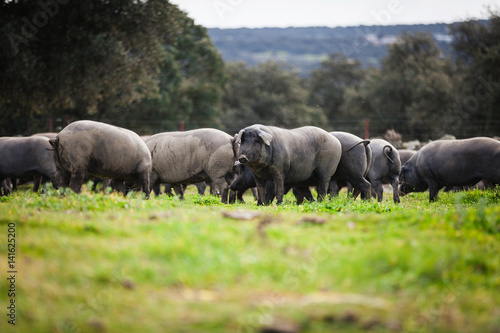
97, 262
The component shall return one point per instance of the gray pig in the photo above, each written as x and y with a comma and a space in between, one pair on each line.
354, 164
305, 156
189, 157
26, 157
385, 168
452, 163
88, 148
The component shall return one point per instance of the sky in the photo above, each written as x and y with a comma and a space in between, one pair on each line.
330, 13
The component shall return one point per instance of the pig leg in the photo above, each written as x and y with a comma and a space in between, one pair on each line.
230, 178
5, 186
168, 189
333, 188
144, 179
44, 182
298, 195
119, 186
239, 196
254, 192
106, 183
221, 185
350, 188
279, 185
379, 190
356, 191
37, 179
232, 197
279, 190
201, 188
261, 191
154, 182
224, 195
95, 181
178, 190
364, 187
395, 189
302, 193
366, 190
322, 188
157, 190
433, 189
14, 182
270, 193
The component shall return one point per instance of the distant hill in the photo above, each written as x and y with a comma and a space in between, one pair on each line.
305, 48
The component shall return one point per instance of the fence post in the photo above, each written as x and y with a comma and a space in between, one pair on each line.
367, 129
49, 125
66, 120
181, 125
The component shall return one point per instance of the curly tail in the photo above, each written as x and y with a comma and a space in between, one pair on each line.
365, 142
387, 153
369, 156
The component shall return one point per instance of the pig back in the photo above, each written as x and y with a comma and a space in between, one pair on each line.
181, 156
101, 149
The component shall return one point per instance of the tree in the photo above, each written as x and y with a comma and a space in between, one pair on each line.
477, 45
329, 83
95, 59
412, 92
190, 84
271, 93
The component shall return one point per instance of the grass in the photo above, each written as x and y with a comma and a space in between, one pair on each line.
105, 263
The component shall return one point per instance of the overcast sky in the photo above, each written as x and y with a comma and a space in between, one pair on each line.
331, 13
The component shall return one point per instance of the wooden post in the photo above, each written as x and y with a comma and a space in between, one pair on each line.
66, 120
181, 125
49, 125
367, 129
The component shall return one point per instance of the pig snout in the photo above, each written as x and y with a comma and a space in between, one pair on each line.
243, 159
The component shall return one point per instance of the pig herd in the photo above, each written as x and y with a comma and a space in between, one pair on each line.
273, 160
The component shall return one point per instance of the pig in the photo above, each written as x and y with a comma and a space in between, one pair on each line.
244, 180
88, 148
26, 157
354, 164
189, 157
452, 163
385, 168
305, 156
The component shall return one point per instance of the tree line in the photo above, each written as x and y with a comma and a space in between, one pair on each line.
145, 65
305, 47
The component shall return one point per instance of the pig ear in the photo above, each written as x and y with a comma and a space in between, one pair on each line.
266, 137
237, 137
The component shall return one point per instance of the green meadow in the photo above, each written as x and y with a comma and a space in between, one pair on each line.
97, 262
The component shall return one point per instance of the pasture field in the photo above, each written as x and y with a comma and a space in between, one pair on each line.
105, 263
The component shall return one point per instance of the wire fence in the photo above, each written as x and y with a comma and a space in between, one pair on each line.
365, 128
